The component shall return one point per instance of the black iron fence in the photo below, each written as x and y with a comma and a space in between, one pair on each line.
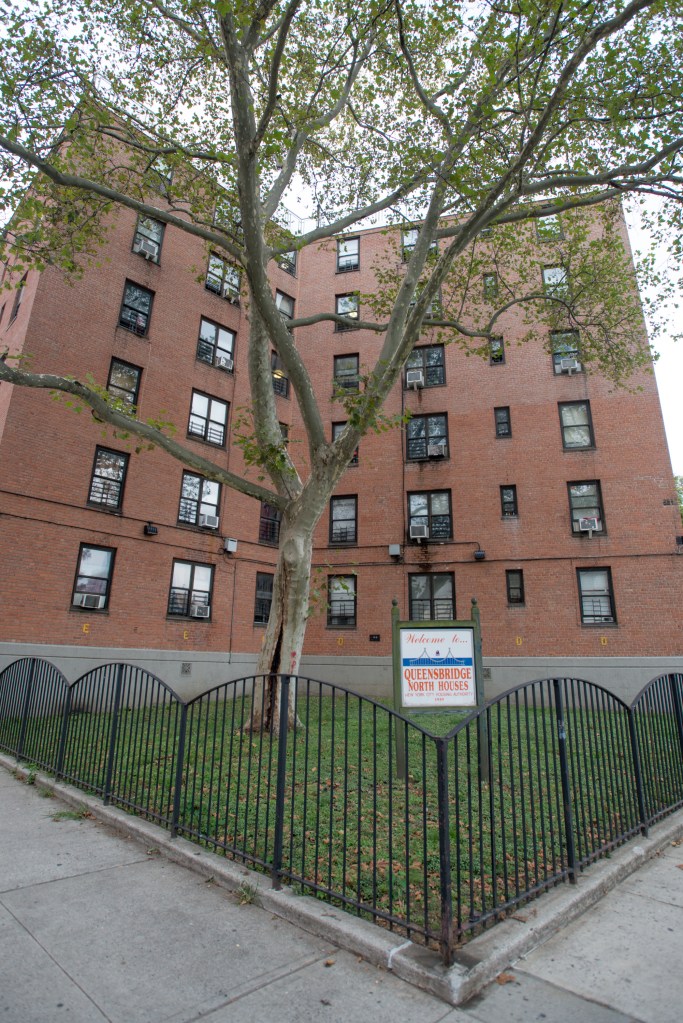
512, 800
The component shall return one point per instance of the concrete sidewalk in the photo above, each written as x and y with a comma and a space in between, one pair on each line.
95, 926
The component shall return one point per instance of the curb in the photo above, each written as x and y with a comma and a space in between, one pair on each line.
476, 964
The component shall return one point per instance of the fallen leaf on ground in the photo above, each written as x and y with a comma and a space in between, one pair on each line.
329, 962
505, 978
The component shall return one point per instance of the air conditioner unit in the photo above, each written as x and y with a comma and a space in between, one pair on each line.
589, 525
436, 450
419, 531
223, 362
199, 610
570, 366
415, 378
94, 600
209, 521
230, 293
147, 248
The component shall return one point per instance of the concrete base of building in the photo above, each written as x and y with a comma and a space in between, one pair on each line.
190, 673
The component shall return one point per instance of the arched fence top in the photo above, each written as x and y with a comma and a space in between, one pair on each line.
127, 670
667, 679
23, 665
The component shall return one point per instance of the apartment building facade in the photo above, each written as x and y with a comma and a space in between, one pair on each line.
517, 478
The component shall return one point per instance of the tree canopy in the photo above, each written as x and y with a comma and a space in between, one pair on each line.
459, 116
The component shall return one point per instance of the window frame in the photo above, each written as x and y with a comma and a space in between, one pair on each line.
422, 351
119, 391
433, 616
191, 590
269, 524
588, 425
349, 620
217, 351
565, 351
204, 436
515, 589
287, 261
559, 289
201, 501
508, 502
140, 330
106, 592
490, 285
428, 438
430, 515
103, 504
279, 375
18, 299
341, 269
501, 421
497, 350
349, 540
353, 315
575, 510
227, 283
339, 386
263, 598
596, 620
553, 228
407, 248
141, 235
337, 429
283, 299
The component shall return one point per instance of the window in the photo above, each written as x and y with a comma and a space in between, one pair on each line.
264, 597
490, 286
503, 422
136, 308
596, 596
284, 430
93, 578
223, 279
124, 381
429, 360
341, 601
348, 254
148, 237
508, 501
549, 229
18, 299
585, 507
433, 309
496, 351
514, 582
429, 515
287, 262
199, 501
556, 281
162, 175
108, 478
431, 597
343, 516
346, 372
280, 378
337, 429
577, 428
208, 419
409, 241
2, 311
216, 345
564, 344
190, 593
285, 305
427, 437
269, 524
347, 305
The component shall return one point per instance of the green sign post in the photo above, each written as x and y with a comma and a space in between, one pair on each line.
438, 667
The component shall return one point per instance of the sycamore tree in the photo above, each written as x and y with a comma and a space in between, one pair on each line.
474, 121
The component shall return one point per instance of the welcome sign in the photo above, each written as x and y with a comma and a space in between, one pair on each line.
437, 667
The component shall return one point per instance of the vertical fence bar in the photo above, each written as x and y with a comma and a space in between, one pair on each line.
180, 758
25, 709
106, 795
635, 750
280, 782
564, 776
678, 710
445, 879
63, 734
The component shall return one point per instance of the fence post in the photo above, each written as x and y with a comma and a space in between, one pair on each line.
280, 782
112, 734
62, 735
635, 751
445, 879
482, 720
678, 710
564, 776
25, 709
180, 757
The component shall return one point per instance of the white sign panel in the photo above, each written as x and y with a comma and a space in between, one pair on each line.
437, 667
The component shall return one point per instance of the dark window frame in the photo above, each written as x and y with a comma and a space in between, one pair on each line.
344, 535
18, 299
424, 443
594, 617
141, 235
287, 261
280, 297
140, 329
490, 285
204, 435
421, 352
101, 593
118, 485
119, 391
338, 428
503, 423
190, 591
352, 265
577, 505
346, 383
279, 375
353, 315
497, 351
514, 587
206, 346
549, 229
558, 289
439, 532
348, 602
561, 349
199, 501
263, 597
509, 508
221, 280
565, 427
270, 521
438, 606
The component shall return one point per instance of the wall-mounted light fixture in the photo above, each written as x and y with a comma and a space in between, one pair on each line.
150, 529
479, 554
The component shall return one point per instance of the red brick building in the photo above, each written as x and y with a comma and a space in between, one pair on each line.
519, 479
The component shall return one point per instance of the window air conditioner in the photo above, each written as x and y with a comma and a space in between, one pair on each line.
418, 531
89, 600
436, 450
415, 378
199, 610
209, 521
589, 525
223, 362
230, 293
147, 248
570, 366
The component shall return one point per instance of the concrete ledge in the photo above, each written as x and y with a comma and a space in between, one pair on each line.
477, 963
